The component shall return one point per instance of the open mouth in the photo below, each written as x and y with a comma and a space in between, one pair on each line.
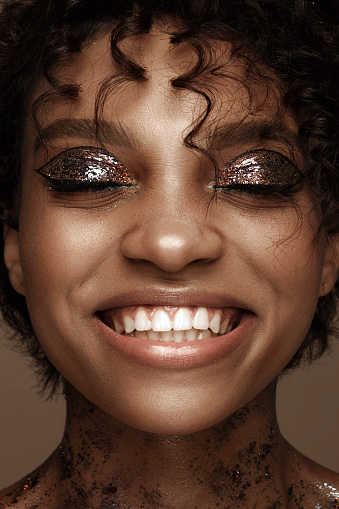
172, 323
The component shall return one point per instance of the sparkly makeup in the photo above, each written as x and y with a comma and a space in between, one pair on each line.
258, 171
332, 494
90, 168
85, 168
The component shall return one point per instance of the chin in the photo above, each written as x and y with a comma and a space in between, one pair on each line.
174, 426
172, 415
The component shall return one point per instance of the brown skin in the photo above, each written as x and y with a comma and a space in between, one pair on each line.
148, 437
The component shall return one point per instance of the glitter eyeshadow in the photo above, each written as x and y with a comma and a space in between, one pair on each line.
263, 167
86, 164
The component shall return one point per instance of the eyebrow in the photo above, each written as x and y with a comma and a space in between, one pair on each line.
85, 128
222, 137
253, 131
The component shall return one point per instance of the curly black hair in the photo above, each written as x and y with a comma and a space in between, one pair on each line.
290, 44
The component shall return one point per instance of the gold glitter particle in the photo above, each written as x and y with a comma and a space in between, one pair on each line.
260, 167
86, 164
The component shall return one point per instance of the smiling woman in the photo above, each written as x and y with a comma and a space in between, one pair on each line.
170, 210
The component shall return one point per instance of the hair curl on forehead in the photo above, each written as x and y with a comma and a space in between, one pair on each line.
291, 45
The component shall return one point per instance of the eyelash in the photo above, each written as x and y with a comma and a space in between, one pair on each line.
74, 186
73, 157
86, 160
262, 190
277, 162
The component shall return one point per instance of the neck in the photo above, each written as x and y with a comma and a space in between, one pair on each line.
105, 463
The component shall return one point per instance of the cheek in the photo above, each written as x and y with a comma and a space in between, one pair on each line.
66, 258
281, 248
279, 265
60, 252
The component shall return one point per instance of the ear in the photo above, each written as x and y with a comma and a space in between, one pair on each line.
12, 258
331, 266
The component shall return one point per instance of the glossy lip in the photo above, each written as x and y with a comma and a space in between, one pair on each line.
172, 355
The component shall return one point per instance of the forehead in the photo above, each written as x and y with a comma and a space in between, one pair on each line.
239, 100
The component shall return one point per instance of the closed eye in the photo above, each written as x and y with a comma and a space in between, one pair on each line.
83, 169
262, 173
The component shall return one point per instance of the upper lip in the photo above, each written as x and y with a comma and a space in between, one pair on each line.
157, 296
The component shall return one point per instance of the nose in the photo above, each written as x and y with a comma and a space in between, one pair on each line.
172, 244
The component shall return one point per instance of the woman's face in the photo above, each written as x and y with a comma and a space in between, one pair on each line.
135, 243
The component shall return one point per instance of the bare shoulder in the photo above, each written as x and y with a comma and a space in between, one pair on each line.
311, 485
32, 492
18, 494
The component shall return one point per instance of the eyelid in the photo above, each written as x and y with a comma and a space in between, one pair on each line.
88, 165
260, 167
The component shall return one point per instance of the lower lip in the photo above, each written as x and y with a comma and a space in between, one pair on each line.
176, 355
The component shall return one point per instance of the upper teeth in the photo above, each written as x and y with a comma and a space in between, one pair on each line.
182, 320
